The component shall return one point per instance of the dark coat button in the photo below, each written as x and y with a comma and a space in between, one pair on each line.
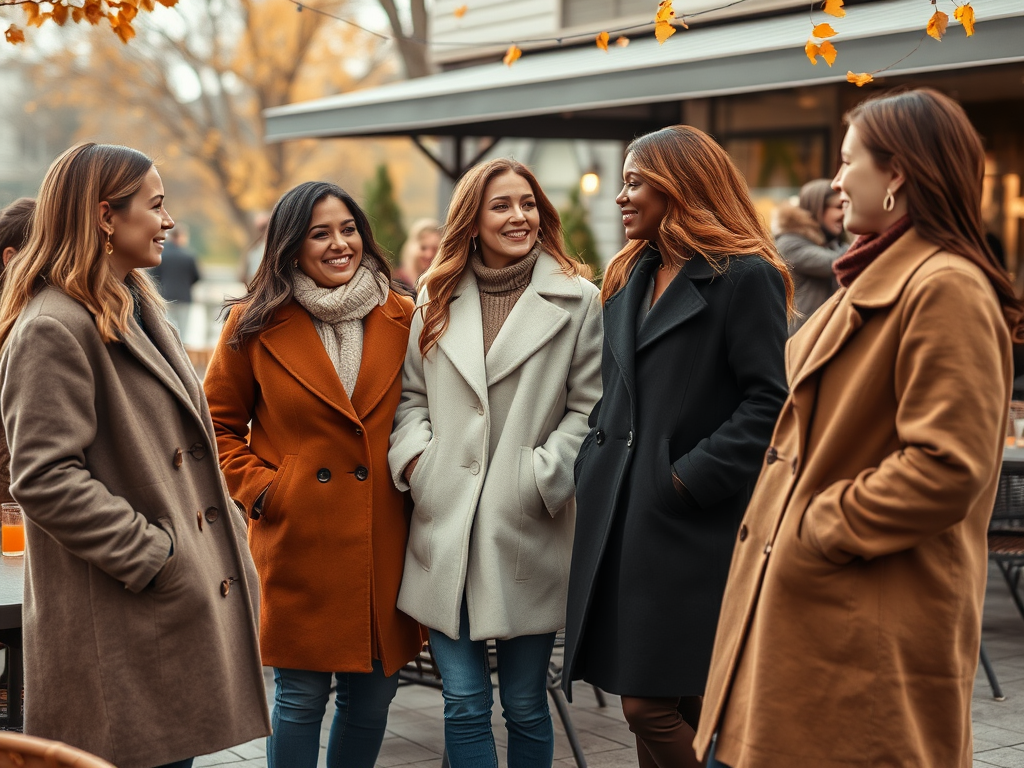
359, 431
599, 437
199, 519
772, 456
178, 458
197, 451
323, 475
212, 513
743, 533
362, 473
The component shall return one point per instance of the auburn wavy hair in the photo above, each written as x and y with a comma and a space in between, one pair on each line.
709, 208
929, 139
65, 247
453, 253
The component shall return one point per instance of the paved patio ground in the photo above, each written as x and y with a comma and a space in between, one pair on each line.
415, 736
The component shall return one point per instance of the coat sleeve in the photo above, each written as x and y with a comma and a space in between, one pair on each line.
805, 257
952, 374
231, 390
412, 430
554, 460
730, 458
49, 408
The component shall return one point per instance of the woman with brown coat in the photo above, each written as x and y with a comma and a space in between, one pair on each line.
851, 622
312, 357
140, 594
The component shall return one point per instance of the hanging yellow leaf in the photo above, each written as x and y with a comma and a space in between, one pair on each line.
512, 55
33, 17
122, 28
812, 50
828, 53
965, 15
459, 12
59, 14
602, 41
622, 42
665, 11
860, 80
14, 35
663, 31
937, 25
128, 12
682, 22
823, 30
93, 12
833, 8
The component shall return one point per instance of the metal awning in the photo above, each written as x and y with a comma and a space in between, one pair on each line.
585, 93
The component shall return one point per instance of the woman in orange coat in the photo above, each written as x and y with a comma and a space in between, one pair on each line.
327, 528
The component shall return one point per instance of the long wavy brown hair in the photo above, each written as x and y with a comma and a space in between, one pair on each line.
928, 138
709, 208
65, 247
453, 253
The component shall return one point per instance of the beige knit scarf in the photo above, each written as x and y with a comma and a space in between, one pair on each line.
338, 316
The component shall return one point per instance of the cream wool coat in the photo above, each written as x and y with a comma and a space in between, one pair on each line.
500, 528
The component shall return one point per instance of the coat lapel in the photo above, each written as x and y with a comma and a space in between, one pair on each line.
620, 313
295, 344
385, 338
680, 301
533, 321
463, 339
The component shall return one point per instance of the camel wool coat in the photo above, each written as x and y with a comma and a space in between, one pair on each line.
498, 526
140, 658
850, 627
330, 542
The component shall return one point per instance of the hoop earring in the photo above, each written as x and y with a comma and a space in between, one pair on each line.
889, 202
109, 247
295, 263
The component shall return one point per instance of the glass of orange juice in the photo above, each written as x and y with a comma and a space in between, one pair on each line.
12, 530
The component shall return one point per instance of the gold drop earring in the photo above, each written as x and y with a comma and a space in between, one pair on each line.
109, 247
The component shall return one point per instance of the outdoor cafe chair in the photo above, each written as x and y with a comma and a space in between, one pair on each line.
20, 751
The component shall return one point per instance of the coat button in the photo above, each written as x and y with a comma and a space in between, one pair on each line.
743, 533
629, 439
474, 468
772, 456
599, 437
768, 548
178, 458
197, 451
199, 519
359, 431
323, 474
225, 586
212, 513
361, 473
480, 408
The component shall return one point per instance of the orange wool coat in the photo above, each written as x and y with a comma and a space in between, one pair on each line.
851, 621
330, 544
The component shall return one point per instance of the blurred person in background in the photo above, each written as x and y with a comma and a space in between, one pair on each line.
809, 238
175, 276
418, 253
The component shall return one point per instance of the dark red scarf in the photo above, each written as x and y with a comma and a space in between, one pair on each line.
866, 249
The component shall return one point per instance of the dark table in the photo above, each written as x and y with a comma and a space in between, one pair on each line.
12, 588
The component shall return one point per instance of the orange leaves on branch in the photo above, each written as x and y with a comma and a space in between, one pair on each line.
823, 30
833, 8
828, 53
119, 13
860, 80
812, 50
937, 25
663, 28
622, 42
14, 35
459, 12
965, 15
602, 41
512, 55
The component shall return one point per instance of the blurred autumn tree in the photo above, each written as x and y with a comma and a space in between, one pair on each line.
384, 214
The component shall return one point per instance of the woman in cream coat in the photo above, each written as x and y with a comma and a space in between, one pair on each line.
502, 372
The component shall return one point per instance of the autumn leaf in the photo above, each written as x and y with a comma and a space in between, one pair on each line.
93, 12
828, 53
812, 50
128, 12
146, 5
34, 17
663, 31
860, 80
622, 42
122, 28
511, 55
14, 35
965, 15
665, 12
823, 30
937, 25
602, 41
459, 12
833, 8
59, 14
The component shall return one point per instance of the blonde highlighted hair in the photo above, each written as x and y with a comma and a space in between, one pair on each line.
453, 253
65, 248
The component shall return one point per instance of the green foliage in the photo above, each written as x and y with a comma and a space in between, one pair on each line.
384, 213
579, 239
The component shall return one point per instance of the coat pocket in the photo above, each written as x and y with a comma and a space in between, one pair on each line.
534, 520
581, 457
166, 576
663, 484
421, 528
271, 498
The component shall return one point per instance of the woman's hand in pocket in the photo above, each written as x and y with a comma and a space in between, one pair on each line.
410, 467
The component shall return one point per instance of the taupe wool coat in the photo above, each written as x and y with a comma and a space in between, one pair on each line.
851, 621
136, 657
494, 510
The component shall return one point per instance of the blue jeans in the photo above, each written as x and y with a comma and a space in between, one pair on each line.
468, 698
712, 762
187, 763
360, 717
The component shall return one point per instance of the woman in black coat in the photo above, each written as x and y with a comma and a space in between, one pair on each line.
693, 375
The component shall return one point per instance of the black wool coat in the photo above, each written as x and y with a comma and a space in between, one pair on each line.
697, 389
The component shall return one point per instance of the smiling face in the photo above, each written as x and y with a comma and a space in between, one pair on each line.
862, 186
139, 229
333, 248
643, 206
508, 221
428, 245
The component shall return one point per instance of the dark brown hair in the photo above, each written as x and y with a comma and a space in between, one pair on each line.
929, 139
15, 220
453, 253
709, 208
271, 286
